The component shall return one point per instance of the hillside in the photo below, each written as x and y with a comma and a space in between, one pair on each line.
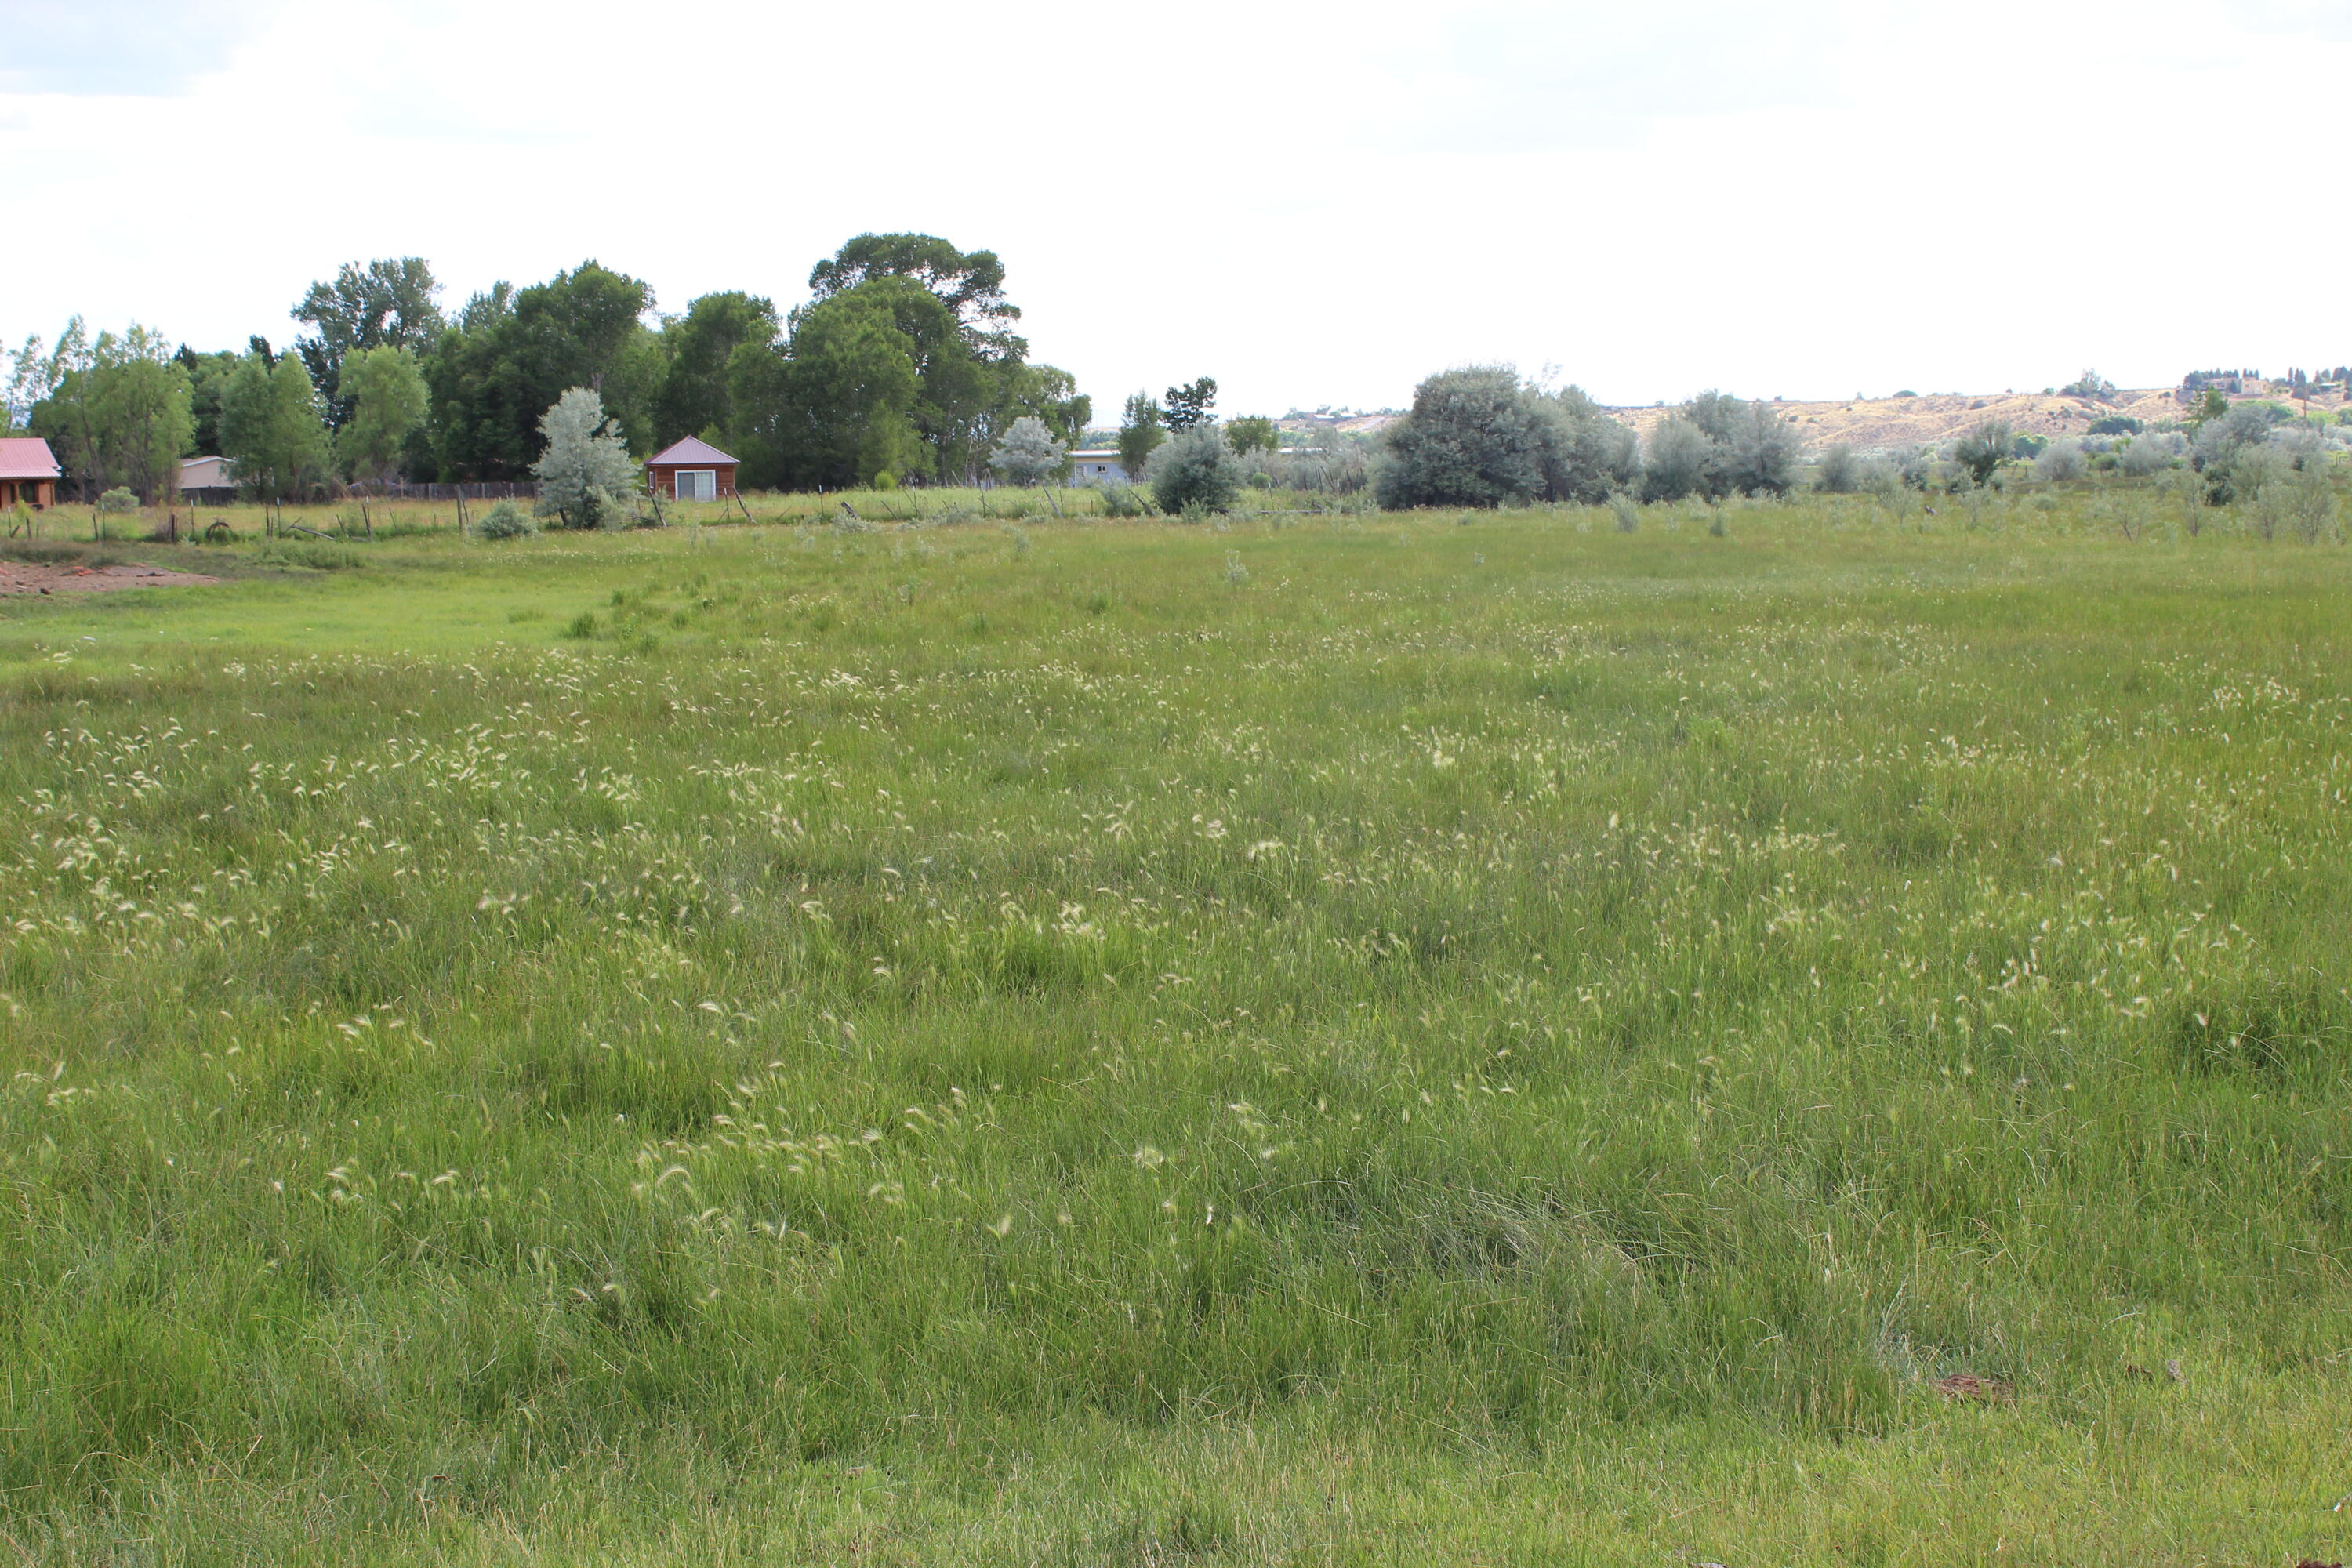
1875, 424
1878, 423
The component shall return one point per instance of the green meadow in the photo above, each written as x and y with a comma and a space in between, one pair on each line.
1813, 1034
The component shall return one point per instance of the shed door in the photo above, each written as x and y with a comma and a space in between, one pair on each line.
698, 484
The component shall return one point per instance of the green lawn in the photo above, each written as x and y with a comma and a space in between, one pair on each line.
1378, 1040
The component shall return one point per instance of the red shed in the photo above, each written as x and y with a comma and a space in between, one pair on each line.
29, 472
691, 470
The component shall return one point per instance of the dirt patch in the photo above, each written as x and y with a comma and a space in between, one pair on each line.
42, 577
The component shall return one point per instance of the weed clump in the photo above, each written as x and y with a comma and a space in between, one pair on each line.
504, 520
1124, 501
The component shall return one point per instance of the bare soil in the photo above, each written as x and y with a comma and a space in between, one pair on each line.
65, 577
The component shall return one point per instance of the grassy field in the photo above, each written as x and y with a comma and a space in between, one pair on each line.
1379, 1040
376, 521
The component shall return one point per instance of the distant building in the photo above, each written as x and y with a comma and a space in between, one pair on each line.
1100, 467
29, 472
208, 481
691, 470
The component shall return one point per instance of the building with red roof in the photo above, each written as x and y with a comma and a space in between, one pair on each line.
29, 472
691, 470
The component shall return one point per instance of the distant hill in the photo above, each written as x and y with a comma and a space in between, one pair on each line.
1876, 423
1883, 423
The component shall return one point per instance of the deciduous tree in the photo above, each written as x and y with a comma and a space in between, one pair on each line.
694, 399
1141, 430
1189, 405
514, 352
273, 425
117, 410
385, 303
971, 284
385, 392
1253, 433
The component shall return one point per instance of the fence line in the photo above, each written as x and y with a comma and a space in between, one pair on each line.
496, 489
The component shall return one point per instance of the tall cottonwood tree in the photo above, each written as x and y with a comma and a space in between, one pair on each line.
694, 397
1142, 427
904, 362
385, 390
512, 352
389, 302
273, 425
117, 410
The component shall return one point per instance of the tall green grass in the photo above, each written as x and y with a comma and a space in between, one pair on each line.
1479, 1038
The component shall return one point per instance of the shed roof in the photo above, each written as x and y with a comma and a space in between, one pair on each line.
26, 457
688, 453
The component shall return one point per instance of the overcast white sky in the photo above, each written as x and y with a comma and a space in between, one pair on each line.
1312, 204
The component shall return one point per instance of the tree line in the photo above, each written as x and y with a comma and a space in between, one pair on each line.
905, 362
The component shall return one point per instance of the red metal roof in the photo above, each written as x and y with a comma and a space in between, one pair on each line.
29, 458
688, 453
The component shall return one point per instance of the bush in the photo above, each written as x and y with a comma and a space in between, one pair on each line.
1192, 472
1676, 462
117, 499
504, 520
1028, 452
2311, 503
2244, 425
1124, 501
2147, 454
1626, 511
2060, 462
2090, 385
1983, 449
1760, 455
1841, 471
1480, 436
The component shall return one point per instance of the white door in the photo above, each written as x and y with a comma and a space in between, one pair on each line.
698, 484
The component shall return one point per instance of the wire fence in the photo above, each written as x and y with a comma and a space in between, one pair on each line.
497, 489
